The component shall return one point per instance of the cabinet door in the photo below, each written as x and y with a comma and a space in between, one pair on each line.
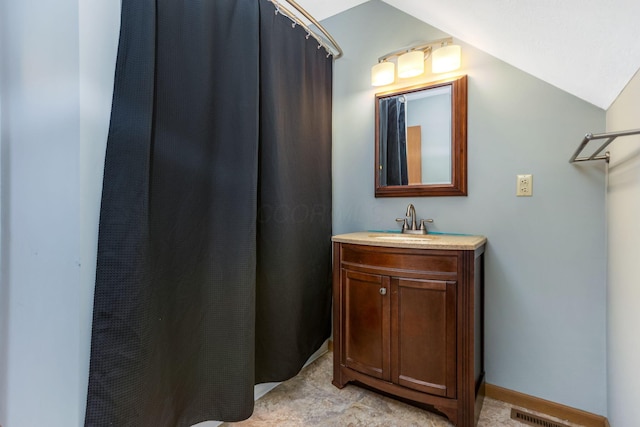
366, 323
423, 335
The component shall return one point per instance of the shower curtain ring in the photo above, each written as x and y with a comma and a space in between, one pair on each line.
293, 25
307, 36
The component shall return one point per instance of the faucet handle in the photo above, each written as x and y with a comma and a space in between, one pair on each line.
404, 222
422, 225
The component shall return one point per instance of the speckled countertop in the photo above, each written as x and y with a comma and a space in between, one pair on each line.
413, 241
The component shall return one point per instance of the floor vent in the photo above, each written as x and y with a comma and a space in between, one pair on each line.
534, 420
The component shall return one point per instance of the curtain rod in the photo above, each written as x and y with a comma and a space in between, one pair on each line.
334, 45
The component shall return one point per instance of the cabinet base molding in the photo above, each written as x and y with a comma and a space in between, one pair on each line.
577, 416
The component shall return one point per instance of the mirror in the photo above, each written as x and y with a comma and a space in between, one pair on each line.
421, 140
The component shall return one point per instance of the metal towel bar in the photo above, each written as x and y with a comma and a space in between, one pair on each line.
609, 136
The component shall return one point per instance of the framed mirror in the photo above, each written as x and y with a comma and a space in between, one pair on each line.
421, 140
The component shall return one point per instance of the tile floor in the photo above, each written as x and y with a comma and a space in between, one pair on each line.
310, 399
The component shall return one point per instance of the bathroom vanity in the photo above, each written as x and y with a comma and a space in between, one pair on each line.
408, 318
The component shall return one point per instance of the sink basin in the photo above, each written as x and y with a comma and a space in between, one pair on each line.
404, 238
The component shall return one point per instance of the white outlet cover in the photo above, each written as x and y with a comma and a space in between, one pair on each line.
524, 185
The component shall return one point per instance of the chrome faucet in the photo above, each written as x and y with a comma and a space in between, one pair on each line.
411, 213
412, 227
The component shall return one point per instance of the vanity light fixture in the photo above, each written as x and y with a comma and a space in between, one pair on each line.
411, 64
445, 59
445, 56
383, 73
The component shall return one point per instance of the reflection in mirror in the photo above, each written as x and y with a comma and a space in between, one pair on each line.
421, 140
429, 136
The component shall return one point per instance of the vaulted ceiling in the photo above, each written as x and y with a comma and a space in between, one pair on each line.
589, 48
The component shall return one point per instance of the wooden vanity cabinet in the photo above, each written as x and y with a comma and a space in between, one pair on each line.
408, 322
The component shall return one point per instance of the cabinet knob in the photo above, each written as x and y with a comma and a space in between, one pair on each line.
383, 291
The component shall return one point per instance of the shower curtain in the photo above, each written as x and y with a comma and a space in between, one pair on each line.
393, 141
214, 244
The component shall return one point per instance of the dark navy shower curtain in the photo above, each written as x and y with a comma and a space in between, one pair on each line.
393, 141
294, 213
214, 244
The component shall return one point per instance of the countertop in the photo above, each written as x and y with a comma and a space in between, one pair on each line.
413, 241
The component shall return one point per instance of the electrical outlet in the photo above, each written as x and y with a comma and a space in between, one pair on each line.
524, 185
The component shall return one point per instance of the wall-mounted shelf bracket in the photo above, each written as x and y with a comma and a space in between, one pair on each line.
609, 137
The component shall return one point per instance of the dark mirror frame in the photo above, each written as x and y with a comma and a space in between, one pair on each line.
458, 186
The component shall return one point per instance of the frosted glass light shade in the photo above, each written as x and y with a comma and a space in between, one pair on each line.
382, 74
445, 59
411, 64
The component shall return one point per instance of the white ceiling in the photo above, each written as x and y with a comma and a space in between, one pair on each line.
589, 48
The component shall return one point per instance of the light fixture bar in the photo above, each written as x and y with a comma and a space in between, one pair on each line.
424, 47
445, 57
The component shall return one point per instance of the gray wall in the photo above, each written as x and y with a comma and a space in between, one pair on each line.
623, 340
545, 260
56, 79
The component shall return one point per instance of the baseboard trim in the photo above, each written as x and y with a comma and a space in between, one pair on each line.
536, 404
